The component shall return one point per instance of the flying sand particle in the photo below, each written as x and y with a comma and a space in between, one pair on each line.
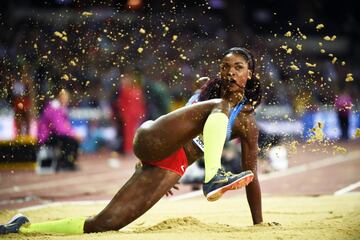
317, 133
65, 77
310, 65
327, 38
333, 61
338, 149
294, 67
349, 77
87, 14
320, 26
357, 133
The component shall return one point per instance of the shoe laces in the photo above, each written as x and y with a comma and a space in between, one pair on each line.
226, 174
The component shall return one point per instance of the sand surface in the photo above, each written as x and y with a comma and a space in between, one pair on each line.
324, 217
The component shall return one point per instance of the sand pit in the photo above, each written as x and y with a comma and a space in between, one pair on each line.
324, 217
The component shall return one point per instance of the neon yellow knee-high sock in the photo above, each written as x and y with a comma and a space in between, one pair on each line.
66, 226
214, 138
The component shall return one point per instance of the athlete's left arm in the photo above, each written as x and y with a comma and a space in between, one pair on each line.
245, 128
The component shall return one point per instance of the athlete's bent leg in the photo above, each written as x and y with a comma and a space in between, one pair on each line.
155, 140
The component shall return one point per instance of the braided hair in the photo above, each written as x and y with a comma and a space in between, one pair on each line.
212, 88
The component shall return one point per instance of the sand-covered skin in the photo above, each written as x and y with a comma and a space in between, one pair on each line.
324, 217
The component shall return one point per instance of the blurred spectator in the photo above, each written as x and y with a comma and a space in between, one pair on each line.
55, 130
131, 106
116, 119
178, 99
22, 104
93, 139
157, 98
343, 105
97, 50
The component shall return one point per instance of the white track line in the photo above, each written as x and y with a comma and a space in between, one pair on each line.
312, 165
262, 177
347, 188
187, 195
57, 204
69, 181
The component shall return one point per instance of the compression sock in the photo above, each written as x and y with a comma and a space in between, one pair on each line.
67, 226
214, 139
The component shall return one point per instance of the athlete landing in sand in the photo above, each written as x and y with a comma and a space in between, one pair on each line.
224, 110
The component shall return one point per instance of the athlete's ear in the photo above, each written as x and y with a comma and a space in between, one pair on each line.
249, 74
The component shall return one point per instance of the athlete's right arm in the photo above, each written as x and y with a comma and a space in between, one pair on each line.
248, 132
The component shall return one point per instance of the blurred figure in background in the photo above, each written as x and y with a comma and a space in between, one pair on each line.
131, 106
343, 105
21, 92
116, 119
55, 130
157, 98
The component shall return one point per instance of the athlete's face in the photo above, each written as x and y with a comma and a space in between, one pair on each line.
235, 72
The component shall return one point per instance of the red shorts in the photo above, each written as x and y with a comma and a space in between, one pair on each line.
176, 162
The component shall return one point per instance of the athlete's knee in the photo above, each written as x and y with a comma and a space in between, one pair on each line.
143, 132
221, 105
142, 138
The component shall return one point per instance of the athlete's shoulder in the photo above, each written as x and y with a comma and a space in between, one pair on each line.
248, 109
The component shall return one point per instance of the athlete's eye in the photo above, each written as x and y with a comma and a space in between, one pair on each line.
224, 66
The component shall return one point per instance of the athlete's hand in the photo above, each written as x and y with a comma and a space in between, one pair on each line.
170, 192
201, 81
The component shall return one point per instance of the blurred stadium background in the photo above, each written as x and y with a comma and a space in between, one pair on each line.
308, 53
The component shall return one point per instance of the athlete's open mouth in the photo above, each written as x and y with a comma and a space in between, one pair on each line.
231, 81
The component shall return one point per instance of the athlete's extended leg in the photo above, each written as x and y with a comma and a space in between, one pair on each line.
140, 193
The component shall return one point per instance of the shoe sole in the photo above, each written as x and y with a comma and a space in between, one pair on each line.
241, 182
